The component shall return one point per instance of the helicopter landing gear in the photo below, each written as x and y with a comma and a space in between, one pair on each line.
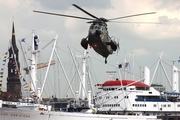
105, 60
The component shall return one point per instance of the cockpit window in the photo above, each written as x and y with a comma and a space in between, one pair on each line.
100, 28
96, 27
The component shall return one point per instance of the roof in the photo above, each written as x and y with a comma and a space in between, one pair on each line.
123, 83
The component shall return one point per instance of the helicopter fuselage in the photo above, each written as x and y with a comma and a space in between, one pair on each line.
98, 39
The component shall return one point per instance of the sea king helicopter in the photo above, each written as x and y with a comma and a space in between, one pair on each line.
98, 37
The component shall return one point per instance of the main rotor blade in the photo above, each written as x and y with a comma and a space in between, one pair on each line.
131, 16
63, 15
134, 22
85, 11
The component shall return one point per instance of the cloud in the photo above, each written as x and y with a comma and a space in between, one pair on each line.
66, 4
10, 3
169, 19
141, 52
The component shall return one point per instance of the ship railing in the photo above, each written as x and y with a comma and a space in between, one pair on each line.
45, 107
8, 103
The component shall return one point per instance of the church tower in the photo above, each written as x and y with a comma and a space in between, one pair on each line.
13, 81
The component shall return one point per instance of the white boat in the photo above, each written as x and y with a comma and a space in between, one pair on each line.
35, 110
128, 96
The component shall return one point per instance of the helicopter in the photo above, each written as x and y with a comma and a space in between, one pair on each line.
98, 37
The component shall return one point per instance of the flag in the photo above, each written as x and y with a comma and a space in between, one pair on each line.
22, 40
36, 42
25, 84
32, 92
19, 73
120, 65
24, 80
126, 64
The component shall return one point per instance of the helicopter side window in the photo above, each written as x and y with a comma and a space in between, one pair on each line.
92, 26
96, 27
100, 28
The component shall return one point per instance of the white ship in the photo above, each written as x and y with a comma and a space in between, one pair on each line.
31, 108
128, 96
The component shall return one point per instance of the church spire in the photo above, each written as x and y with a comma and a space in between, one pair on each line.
13, 36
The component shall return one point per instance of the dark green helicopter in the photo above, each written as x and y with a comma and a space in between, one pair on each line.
98, 37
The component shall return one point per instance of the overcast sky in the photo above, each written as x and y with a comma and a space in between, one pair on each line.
145, 40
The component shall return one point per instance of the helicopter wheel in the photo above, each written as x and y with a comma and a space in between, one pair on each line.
105, 61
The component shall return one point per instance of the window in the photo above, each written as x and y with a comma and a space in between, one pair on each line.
112, 88
126, 97
107, 97
11, 70
154, 105
115, 97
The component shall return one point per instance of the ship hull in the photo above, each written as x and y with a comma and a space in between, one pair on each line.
19, 114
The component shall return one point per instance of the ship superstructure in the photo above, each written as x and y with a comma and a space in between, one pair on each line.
127, 96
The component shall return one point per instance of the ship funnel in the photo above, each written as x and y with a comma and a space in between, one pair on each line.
175, 77
146, 75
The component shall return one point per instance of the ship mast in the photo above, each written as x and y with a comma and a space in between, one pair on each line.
34, 51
